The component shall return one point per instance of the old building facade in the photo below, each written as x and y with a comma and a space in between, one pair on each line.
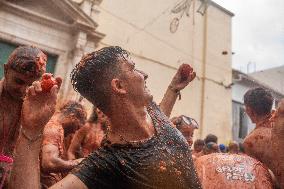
60, 28
160, 35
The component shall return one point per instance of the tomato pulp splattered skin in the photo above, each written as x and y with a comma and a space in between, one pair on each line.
25, 65
86, 140
234, 171
47, 83
57, 136
92, 140
258, 143
185, 71
277, 138
28, 60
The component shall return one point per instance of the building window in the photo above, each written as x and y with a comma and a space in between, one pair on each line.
7, 48
243, 123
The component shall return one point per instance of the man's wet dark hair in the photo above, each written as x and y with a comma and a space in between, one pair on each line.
259, 100
92, 76
74, 108
211, 138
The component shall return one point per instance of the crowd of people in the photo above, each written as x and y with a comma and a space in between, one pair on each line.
128, 141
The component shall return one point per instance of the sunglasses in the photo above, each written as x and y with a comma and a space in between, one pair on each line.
187, 121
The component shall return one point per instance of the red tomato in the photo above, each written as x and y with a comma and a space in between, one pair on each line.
185, 71
47, 83
46, 76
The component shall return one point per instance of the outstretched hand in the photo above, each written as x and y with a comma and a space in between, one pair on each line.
183, 77
39, 106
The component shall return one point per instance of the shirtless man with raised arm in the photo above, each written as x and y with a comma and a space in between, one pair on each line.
38, 107
25, 65
57, 136
142, 150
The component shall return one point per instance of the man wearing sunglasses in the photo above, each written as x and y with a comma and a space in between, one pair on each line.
186, 126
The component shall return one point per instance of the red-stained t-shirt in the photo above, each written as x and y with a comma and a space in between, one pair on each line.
221, 171
161, 162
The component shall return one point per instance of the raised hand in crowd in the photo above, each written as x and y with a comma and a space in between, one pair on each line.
181, 79
38, 107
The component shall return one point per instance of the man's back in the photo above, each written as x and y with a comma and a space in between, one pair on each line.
234, 171
277, 138
258, 145
53, 135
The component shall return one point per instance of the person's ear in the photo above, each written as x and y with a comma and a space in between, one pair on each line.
248, 110
117, 86
250, 113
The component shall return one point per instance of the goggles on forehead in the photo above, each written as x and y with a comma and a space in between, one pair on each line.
188, 121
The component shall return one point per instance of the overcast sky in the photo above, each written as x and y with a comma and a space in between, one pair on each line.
258, 33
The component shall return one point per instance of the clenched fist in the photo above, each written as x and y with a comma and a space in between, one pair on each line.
183, 77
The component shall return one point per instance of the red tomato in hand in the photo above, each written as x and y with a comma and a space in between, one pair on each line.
185, 71
47, 83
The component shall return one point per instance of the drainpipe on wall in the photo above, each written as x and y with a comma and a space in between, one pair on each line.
203, 73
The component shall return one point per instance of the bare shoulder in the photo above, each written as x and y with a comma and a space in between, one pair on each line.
258, 144
52, 126
70, 182
233, 171
257, 136
53, 133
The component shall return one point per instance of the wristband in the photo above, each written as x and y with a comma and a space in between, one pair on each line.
175, 91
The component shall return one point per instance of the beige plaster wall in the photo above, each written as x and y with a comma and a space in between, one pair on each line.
142, 27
